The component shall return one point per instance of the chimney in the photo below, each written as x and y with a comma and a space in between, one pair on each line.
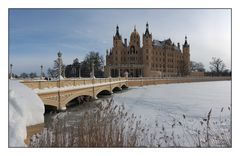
125, 42
178, 45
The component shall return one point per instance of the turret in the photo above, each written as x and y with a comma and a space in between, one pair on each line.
117, 39
125, 42
147, 51
186, 57
147, 37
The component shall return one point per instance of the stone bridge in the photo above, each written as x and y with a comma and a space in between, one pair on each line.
59, 93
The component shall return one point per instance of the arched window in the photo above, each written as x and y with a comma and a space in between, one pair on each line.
132, 50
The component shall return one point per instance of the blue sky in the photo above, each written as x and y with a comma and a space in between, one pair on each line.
36, 35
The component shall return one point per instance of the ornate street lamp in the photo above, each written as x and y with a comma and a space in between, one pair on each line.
41, 72
60, 64
79, 71
119, 73
93, 76
11, 74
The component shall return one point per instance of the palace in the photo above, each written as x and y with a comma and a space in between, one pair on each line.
154, 59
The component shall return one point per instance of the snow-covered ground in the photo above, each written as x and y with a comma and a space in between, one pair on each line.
25, 109
174, 113
166, 100
187, 103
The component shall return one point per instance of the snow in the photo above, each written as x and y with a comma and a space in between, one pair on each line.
164, 105
55, 89
25, 109
194, 99
167, 103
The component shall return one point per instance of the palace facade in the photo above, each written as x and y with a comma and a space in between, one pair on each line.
154, 59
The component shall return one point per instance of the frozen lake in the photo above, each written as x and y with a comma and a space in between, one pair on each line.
171, 100
181, 110
176, 114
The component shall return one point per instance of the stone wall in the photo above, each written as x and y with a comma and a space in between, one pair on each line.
31, 130
155, 81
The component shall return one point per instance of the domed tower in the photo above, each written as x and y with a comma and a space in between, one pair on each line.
134, 47
147, 51
186, 57
135, 38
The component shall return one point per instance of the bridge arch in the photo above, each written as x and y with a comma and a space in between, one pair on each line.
50, 108
70, 98
103, 92
116, 89
124, 86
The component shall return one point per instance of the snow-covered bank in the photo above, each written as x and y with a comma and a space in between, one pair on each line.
185, 103
25, 109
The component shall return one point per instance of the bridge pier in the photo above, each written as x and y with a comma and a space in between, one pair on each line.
62, 108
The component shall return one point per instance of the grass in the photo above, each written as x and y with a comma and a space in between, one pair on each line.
109, 125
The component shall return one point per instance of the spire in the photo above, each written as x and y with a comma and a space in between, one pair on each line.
186, 43
135, 28
147, 31
185, 40
117, 32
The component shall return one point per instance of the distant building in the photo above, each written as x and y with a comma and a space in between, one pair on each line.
154, 59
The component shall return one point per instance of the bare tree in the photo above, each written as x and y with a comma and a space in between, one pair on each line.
197, 66
217, 66
54, 72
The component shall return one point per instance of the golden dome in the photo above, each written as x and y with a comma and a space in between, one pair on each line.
134, 34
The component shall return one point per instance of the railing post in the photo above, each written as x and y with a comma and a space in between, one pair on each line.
110, 84
39, 84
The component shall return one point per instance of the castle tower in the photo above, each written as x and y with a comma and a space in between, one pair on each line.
117, 50
117, 39
135, 38
186, 57
147, 51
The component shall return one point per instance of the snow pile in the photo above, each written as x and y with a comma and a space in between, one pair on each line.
25, 109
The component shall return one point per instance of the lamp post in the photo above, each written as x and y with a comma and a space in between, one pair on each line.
93, 76
11, 71
79, 71
41, 72
63, 72
60, 64
119, 73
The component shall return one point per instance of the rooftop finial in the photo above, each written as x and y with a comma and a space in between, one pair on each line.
117, 31
147, 31
59, 54
134, 28
185, 43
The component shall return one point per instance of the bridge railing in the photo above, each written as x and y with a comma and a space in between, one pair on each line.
69, 82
